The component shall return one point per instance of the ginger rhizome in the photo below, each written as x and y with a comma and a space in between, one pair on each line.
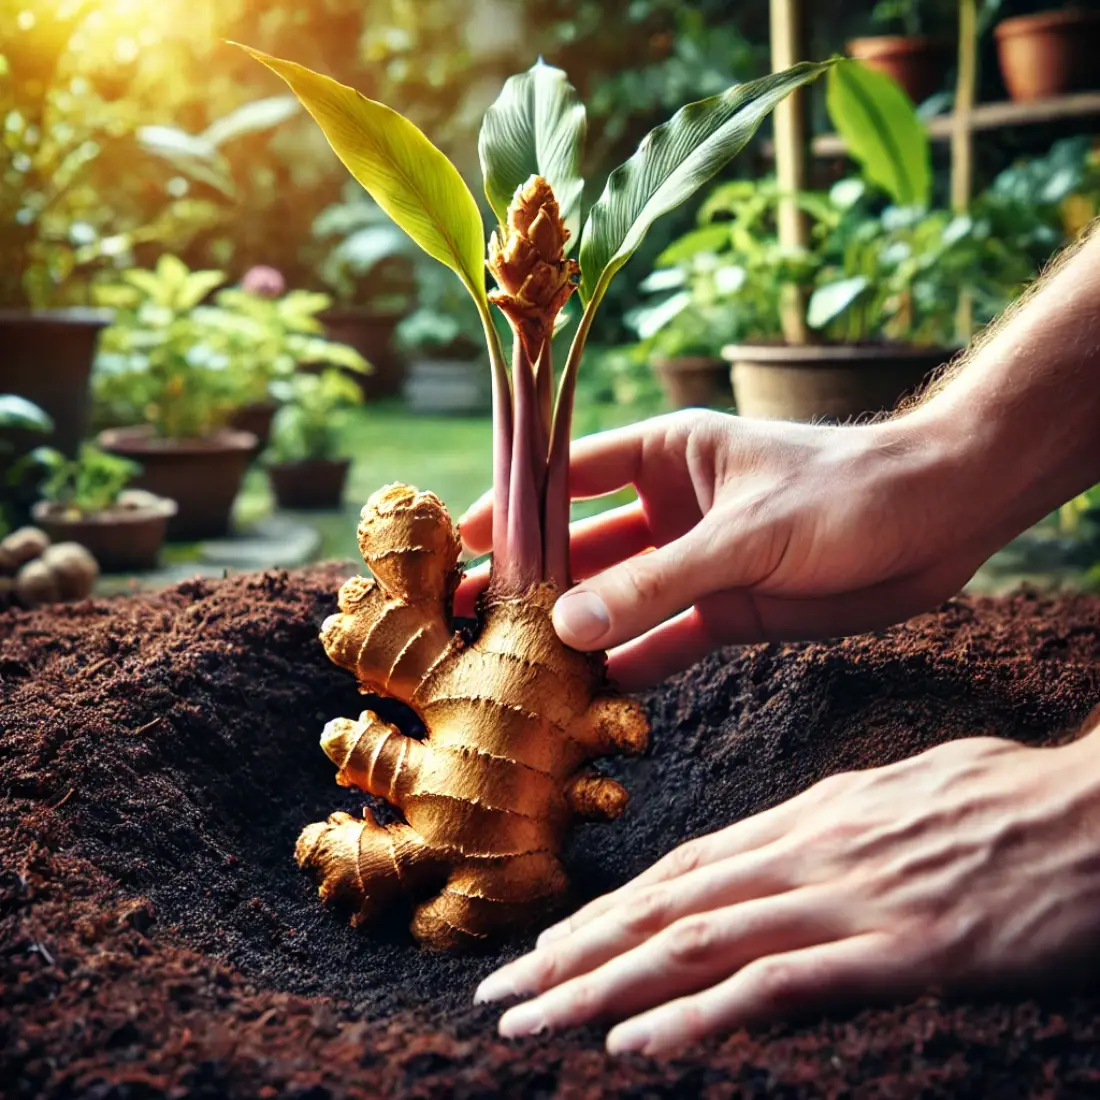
513, 718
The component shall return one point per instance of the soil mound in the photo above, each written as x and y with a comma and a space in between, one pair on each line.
159, 755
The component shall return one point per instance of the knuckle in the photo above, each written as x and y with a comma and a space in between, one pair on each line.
585, 1001
648, 912
691, 941
771, 982
682, 860
545, 971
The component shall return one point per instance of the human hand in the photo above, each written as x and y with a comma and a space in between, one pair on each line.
972, 863
757, 530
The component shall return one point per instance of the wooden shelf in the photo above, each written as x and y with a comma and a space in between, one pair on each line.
992, 116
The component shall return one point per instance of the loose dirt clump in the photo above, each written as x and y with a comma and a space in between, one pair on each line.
159, 756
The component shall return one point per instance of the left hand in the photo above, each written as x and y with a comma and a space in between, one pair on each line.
975, 862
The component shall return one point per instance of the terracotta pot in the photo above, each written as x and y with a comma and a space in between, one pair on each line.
916, 62
257, 418
693, 381
203, 476
838, 383
458, 386
126, 538
371, 334
315, 483
46, 356
1048, 54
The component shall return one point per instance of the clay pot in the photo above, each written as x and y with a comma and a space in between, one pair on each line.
1048, 54
203, 476
693, 381
371, 334
916, 62
257, 418
46, 356
123, 539
835, 384
314, 483
457, 386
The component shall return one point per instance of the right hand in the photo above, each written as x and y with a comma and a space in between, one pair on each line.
747, 531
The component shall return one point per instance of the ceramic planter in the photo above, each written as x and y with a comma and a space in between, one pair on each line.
313, 483
46, 356
693, 381
123, 539
830, 383
1048, 54
918, 63
203, 476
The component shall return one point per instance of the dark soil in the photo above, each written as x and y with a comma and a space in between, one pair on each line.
159, 756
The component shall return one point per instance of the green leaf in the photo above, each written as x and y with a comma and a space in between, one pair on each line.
401, 169
536, 127
829, 301
20, 414
671, 163
882, 131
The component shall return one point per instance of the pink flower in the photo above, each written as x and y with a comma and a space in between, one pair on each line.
264, 282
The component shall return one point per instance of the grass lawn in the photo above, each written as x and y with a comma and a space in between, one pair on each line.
450, 455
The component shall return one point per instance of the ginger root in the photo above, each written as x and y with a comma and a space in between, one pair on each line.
513, 718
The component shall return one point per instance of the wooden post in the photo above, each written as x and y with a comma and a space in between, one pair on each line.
791, 155
962, 141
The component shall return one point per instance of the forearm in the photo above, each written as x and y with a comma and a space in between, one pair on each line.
1014, 430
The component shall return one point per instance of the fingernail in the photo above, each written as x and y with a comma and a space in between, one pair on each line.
581, 617
525, 1019
628, 1037
494, 988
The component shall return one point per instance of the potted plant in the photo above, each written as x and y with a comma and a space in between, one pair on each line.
368, 269
86, 500
304, 462
173, 370
913, 50
1048, 53
21, 423
682, 336
443, 341
881, 275
269, 333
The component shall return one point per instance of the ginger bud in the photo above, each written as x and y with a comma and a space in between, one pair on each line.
528, 261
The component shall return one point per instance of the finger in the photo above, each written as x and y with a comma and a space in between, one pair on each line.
608, 461
473, 584
758, 874
630, 598
744, 836
475, 525
601, 541
689, 955
684, 639
860, 968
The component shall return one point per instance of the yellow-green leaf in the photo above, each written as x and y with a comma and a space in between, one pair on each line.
882, 131
672, 162
402, 170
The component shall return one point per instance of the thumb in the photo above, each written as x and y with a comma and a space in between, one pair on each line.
630, 598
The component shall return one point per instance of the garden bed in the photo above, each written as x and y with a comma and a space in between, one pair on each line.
160, 754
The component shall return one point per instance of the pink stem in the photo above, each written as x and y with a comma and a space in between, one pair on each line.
556, 501
503, 430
